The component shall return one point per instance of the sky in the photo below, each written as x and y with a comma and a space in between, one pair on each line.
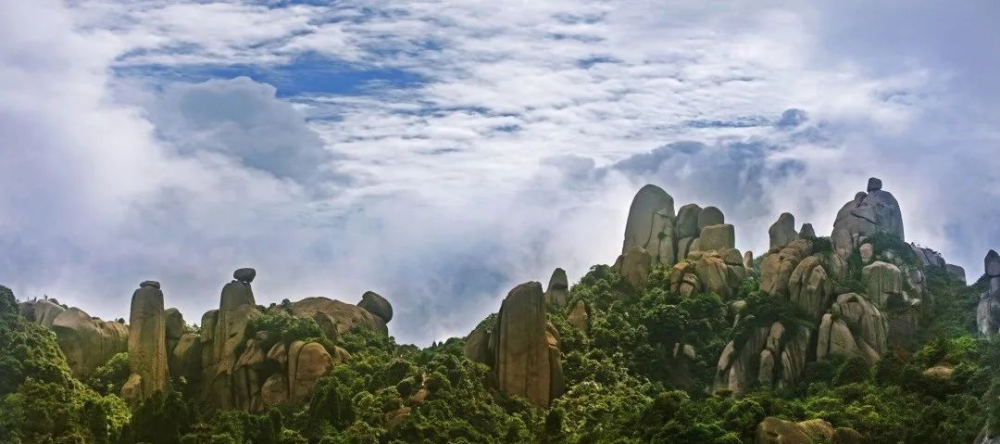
441, 152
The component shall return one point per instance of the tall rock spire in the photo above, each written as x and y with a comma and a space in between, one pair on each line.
147, 346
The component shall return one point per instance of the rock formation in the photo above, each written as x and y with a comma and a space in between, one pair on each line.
988, 309
345, 316
41, 311
776, 268
578, 316
147, 344
247, 370
527, 358
778, 431
557, 293
868, 213
782, 232
87, 342
771, 356
635, 266
854, 327
376, 305
650, 224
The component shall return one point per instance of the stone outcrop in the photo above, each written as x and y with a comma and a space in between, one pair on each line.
41, 311
346, 316
988, 309
185, 357
557, 293
807, 232
705, 272
650, 224
578, 316
223, 333
810, 288
710, 216
479, 347
717, 237
377, 305
778, 431
776, 268
174, 324
773, 356
854, 327
957, 272
687, 222
527, 358
884, 282
86, 341
635, 265
868, 213
147, 344
782, 232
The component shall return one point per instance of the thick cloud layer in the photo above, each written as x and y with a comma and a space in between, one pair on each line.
440, 153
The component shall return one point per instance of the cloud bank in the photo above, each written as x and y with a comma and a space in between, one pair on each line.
441, 152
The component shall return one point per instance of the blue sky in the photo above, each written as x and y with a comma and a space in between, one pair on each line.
441, 152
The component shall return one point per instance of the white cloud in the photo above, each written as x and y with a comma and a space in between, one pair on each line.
517, 149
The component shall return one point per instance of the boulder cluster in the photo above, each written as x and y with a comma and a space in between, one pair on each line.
848, 324
697, 242
236, 368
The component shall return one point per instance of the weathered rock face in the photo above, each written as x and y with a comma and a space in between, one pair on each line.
687, 222
772, 356
956, 271
928, 257
635, 266
778, 431
376, 305
710, 216
479, 348
527, 356
807, 232
41, 311
717, 237
988, 310
87, 342
856, 327
650, 224
185, 358
175, 327
869, 213
347, 316
558, 289
578, 317
147, 346
783, 231
885, 284
776, 269
810, 288
307, 362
